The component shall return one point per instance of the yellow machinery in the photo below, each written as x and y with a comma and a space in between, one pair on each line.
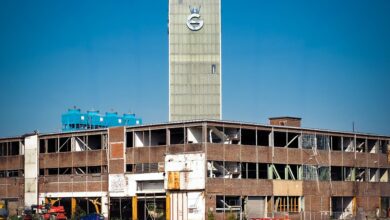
51, 201
3, 211
96, 203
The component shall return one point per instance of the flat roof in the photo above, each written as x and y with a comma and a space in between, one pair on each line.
285, 117
198, 121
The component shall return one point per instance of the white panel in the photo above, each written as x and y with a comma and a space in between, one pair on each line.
131, 186
194, 135
79, 145
187, 206
42, 196
196, 205
180, 206
191, 168
116, 183
21, 149
139, 139
174, 206
31, 170
133, 178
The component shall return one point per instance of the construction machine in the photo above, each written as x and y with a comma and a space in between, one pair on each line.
45, 212
3, 211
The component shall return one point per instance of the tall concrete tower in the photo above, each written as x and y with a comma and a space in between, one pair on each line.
194, 59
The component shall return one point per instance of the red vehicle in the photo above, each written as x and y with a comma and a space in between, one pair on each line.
55, 212
47, 212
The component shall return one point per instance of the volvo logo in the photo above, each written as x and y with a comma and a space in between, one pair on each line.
194, 23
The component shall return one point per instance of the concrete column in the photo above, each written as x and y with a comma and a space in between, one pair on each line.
168, 207
135, 207
73, 206
41, 200
105, 207
31, 170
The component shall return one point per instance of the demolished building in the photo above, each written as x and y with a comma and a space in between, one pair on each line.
194, 169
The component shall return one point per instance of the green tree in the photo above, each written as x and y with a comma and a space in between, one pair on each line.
231, 215
210, 215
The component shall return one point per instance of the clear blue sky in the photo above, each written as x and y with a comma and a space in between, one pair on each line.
326, 61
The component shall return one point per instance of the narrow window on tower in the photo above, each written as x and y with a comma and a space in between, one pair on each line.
213, 69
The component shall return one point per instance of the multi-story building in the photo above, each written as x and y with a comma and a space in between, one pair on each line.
194, 59
199, 169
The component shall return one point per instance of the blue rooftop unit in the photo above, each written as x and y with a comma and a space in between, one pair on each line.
113, 119
75, 120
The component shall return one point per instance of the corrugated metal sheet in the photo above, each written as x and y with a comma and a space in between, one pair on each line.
255, 207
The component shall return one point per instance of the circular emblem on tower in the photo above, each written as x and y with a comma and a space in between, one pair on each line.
194, 22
